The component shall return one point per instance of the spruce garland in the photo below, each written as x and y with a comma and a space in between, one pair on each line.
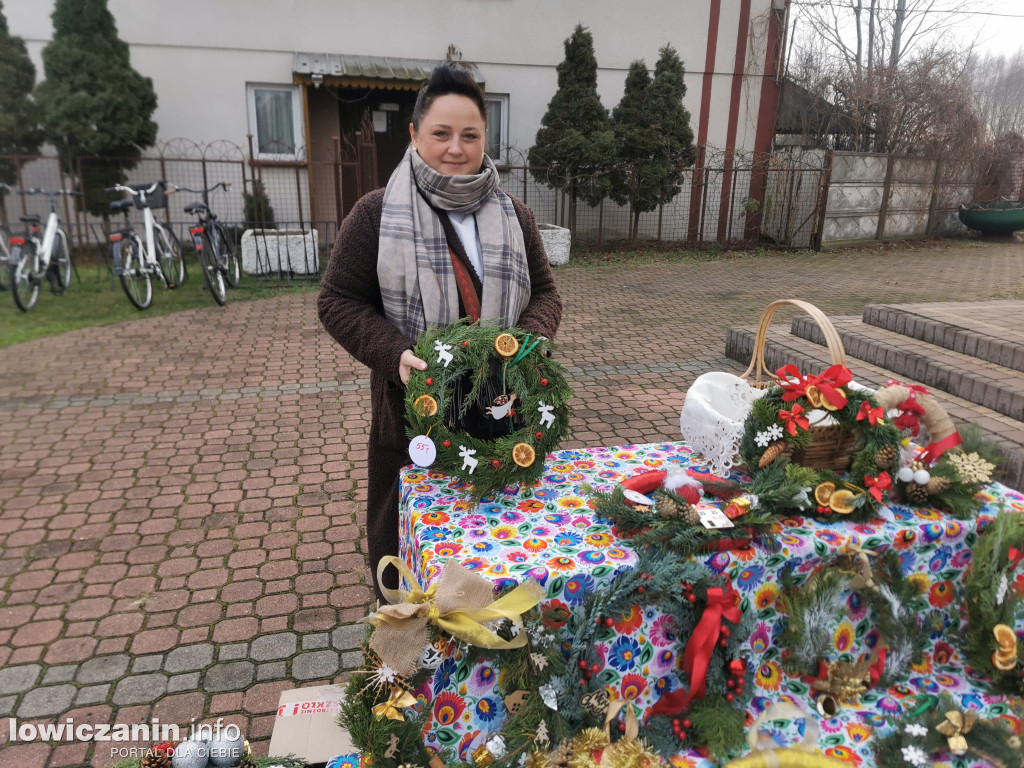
530, 374
992, 600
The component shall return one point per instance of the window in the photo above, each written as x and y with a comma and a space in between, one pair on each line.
497, 127
274, 121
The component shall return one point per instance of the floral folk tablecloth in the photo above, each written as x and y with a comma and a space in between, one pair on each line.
550, 533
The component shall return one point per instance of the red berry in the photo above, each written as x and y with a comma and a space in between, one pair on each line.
609, 622
447, 443
595, 668
543, 382
723, 642
726, 632
691, 597
621, 726
583, 684
495, 463
682, 735
737, 667
687, 723
540, 435
729, 697
583, 663
640, 590
675, 723
430, 382
730, 683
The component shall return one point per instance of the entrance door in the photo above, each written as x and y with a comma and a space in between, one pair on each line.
390, 113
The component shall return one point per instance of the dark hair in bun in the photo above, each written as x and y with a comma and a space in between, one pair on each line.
448, 77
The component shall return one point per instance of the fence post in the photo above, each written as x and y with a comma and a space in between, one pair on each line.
338, 203
934, 204
822, 204
600, 222
886, 191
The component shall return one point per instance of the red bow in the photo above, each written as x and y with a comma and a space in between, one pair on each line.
793, 419
828, 383
721, 604
877, 485
934, 450
873, 415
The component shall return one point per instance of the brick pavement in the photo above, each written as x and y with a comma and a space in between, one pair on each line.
180, 496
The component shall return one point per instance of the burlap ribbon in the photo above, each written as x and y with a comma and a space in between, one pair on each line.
460, 603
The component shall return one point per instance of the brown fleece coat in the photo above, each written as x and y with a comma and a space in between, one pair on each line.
351, 310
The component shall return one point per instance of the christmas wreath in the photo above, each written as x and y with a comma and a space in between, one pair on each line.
937, 727
792, 419
815, 607
460, 619
489, 406
993, 604
705, 610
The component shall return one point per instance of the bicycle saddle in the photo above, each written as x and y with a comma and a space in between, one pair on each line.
195, 208
121, 205
34, 219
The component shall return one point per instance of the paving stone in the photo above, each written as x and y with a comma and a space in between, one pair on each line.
7, 705
19, 679
277, 646
186, 682
233, 652
235, 676
274, 670
103, 669
149, 663
189, 657
140, 689
49, 701
352, 660
311, 666
348, 636
62, 674
92, 694
318, 640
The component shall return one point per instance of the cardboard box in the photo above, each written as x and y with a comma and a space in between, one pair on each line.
307, 724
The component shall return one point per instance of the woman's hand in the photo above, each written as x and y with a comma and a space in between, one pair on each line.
407, 362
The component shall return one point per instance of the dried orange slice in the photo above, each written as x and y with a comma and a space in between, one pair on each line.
813, 395
425, 405
824, 492
1004, 662
1006, 638
523, 454
506, 345
842, 502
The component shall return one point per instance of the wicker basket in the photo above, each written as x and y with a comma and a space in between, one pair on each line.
831, 445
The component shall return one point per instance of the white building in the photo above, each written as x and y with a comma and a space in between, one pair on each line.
297, 73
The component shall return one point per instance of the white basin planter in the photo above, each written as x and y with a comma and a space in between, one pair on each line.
269, 251
556, 243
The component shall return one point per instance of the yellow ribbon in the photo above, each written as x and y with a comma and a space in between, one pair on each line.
399, 699
954, 728
865, 577
632, 726
459, 603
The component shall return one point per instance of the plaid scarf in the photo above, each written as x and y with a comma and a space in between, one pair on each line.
414, 268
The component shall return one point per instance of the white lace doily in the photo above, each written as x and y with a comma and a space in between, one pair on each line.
712, 418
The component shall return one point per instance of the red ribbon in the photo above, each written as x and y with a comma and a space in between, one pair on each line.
721, 604
873, 415
1015, 555
877, 485
791, 380
911, 387
878, 667
934, 450
793, 419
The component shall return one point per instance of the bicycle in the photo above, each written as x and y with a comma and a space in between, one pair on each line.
34, 257
217, 257
136, 262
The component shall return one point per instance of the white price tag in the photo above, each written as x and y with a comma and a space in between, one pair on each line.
638, 498
713, 517
422, 451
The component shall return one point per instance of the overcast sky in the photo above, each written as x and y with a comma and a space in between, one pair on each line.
1000, 34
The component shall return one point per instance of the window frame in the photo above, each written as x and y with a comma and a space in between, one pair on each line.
297, 121
503, 143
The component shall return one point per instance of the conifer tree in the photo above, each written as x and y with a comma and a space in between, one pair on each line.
640, 155
94, 104
671, 120
20, 133
575, 144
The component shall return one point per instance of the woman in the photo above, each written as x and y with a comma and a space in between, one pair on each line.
441, 242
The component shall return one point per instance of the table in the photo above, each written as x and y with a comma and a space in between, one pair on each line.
550, 532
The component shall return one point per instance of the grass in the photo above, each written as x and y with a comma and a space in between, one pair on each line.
96, 298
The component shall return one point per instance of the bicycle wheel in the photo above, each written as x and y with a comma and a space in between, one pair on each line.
212, 275
169, 254
5, 256
229, 260
60, 260
136, 281
24, 279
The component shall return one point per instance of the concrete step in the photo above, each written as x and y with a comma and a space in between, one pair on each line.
978, 381
978, 329
783, 347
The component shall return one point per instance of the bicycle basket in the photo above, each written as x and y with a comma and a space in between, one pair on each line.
154, 200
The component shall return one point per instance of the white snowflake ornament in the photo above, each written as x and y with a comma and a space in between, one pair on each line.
916, 729
762, 439
915, 756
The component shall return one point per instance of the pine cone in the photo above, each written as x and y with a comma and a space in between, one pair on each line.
157, 760
938, 485
690, 515
886, 456
771, 453
559, 757
667, 508
916, 494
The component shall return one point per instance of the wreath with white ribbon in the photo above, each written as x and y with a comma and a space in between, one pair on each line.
526, 396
